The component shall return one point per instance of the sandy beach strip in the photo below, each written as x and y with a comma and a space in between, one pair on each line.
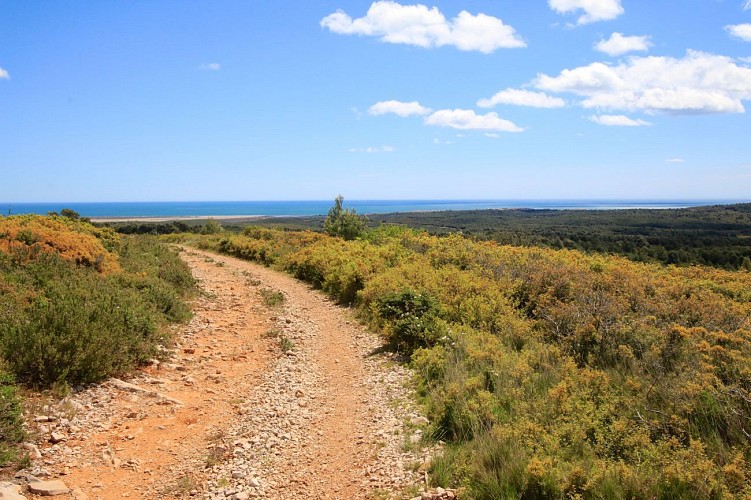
175, 218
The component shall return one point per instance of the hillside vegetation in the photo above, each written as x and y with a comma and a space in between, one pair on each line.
79, 304
718, 236
550, 373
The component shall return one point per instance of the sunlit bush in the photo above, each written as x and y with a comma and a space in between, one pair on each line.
27, 236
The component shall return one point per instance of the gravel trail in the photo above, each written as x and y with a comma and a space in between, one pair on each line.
272, 391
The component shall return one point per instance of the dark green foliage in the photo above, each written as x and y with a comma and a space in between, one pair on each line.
65, 324
212, 226
79, 327
70, 214
153, 228
158, 274
344, 222
411, 319
718, 236
11, 421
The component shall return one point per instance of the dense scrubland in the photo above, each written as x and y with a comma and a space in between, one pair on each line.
718, 236
77, 304
549, 373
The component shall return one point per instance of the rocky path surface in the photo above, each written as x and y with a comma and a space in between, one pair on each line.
272, 391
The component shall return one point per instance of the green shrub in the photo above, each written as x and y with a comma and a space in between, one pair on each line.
11, 420
148, 256
270, 297
61, 323
344, 222
79, 328
412, 320
212, 226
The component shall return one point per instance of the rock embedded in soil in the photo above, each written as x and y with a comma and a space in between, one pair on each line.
48, 488
10, 491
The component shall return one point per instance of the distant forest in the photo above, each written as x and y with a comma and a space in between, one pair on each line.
718, 236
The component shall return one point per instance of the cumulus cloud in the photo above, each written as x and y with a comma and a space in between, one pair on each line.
4, 75
403, 109
466, 119
740, 31
378, 149
696, 83
522, 98
674, 160
594, 10
618, 44
426, 27
211, 67
618, 121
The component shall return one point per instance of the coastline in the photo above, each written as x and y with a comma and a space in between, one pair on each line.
174, 218
250, 210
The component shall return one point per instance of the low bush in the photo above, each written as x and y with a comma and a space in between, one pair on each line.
66, 323
11, 421
79, 327
78, 304
26, 236
412, 320
158, 274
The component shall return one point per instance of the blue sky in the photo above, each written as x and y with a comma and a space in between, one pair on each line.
258, 100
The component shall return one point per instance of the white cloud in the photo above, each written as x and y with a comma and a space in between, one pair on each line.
594, 10
747, 5
618, 121
378, 149
741, 31
426, 27
403, 109
522, 98
4, 75
697, 83
211, 67
439, 141
492, 135
618, 44
674, 160
466, 119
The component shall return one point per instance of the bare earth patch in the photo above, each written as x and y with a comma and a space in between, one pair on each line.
273, 391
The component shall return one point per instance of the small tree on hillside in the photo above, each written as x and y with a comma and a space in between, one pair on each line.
212, 226
70, 214
344, 222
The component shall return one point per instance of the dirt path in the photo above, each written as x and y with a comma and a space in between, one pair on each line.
273, 392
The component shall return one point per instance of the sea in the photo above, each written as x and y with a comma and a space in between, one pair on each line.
176, 209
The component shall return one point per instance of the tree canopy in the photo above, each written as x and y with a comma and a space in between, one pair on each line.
344, 222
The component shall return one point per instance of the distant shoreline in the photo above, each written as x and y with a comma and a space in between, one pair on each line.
174, 218
253, 210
